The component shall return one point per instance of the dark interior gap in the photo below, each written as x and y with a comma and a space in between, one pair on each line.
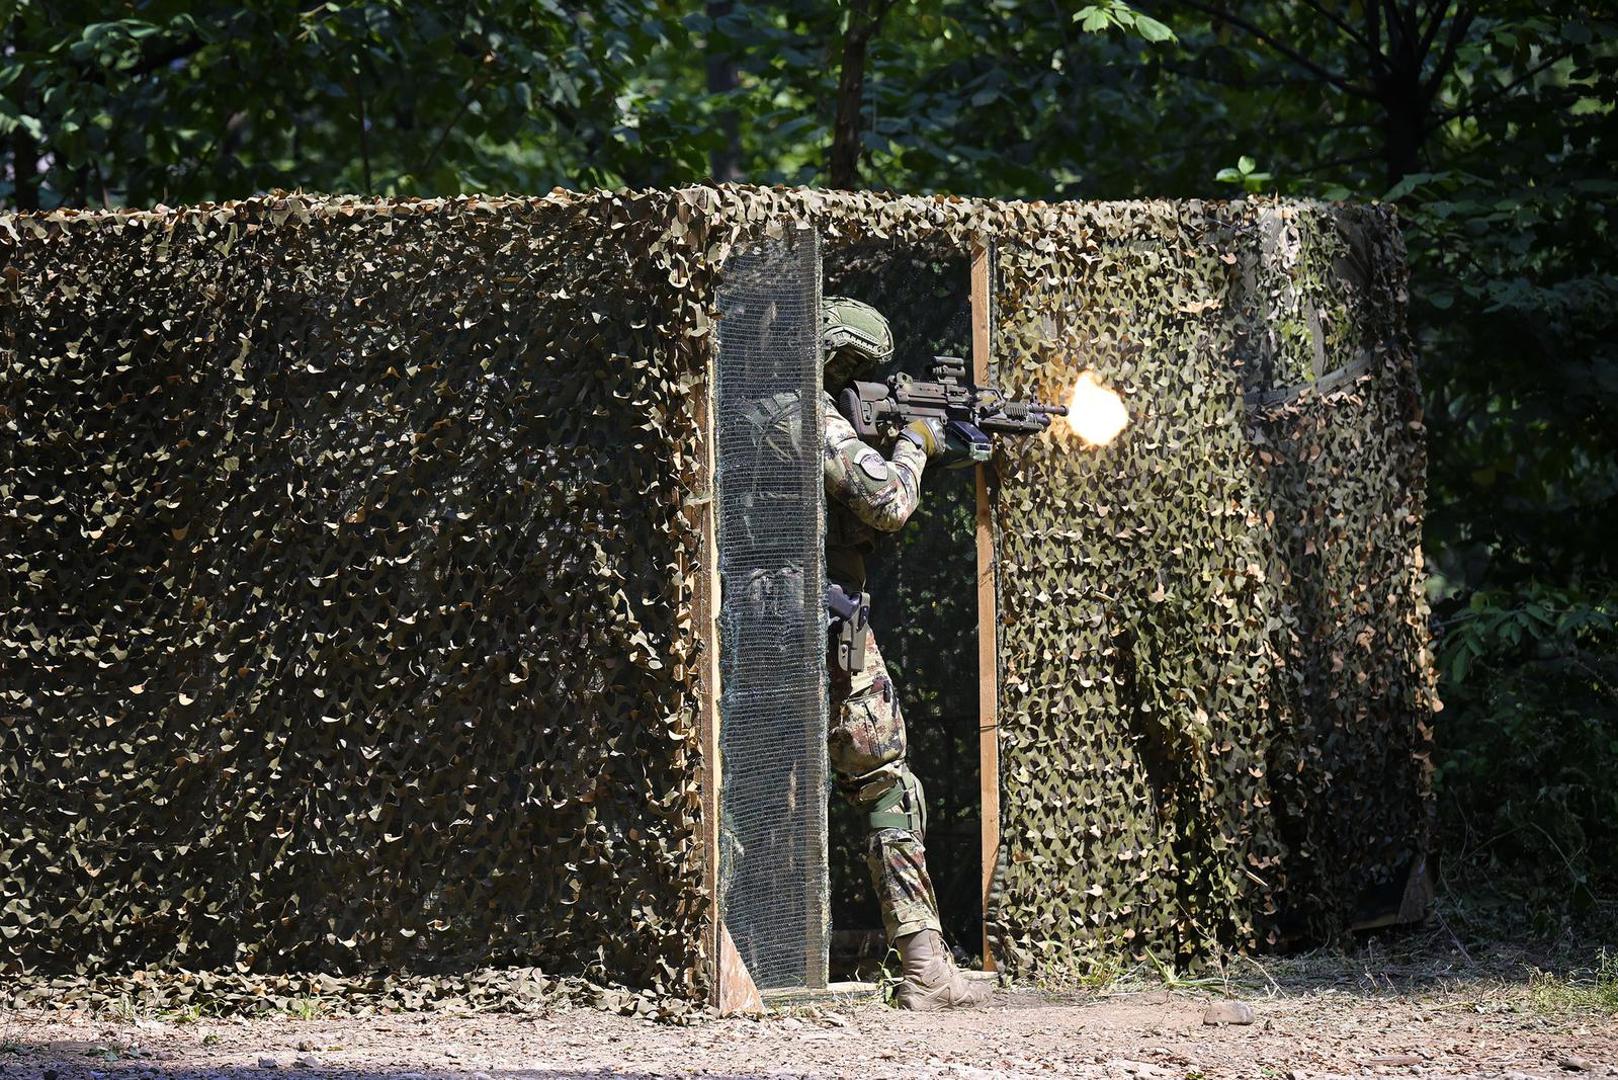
924, 613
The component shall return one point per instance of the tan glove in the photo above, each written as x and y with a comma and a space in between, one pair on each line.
927, 433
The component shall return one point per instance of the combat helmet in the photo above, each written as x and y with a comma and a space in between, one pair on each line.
855, 337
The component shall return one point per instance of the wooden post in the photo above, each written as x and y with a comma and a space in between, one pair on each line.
817, 884
732, 988
988, 641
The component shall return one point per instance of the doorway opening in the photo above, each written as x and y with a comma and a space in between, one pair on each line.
924, 613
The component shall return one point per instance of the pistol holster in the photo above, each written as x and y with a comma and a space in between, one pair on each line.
849, 626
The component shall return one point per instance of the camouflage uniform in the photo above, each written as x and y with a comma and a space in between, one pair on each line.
866, 494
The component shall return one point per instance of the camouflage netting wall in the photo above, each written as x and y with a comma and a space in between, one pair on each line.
1216, 688
351, 558
1215, 685
348, 583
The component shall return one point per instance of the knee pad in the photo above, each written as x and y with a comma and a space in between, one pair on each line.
904, 806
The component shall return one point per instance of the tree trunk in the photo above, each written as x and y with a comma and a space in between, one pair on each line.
24, 170
1404, 123
864, 18
1398, 91
725, 163
1405, 89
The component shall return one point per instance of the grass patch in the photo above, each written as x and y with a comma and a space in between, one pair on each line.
1598, 992
187, 1014
304, 1008
1174, 979
124, 1008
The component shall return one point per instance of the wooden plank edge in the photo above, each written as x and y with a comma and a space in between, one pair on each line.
817, 884
988, 638
731, 986
738, 993
705, 621
732, 990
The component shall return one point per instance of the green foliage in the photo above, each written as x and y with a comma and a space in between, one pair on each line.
1114, 13
1527, 780
182, 101
304, 1008
1252, 182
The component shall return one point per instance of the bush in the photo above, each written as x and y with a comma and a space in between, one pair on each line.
1529, 749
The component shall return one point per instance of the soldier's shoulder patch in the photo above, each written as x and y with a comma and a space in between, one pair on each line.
872, 465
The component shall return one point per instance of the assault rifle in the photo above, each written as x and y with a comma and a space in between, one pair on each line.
970, 413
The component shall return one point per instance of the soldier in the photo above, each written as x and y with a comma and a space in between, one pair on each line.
869, 494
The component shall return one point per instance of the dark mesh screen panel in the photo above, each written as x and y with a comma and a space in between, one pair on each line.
772, 669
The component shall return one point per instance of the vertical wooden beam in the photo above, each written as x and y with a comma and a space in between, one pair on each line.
817, 883
988, 639
731, 988
705, 626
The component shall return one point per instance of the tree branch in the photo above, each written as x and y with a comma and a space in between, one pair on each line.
1457, 34
1286, 50
1337, 163
1396, 14
1229, 142
1237, 82
1373, 31
1337, 21
1478, 106
1431, 32
724, 77
466, 103
183, 49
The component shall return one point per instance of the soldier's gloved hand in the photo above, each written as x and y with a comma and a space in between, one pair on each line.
928, 434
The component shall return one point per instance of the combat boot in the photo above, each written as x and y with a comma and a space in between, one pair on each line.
930, 979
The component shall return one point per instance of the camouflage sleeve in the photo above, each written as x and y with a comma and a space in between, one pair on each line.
881, 492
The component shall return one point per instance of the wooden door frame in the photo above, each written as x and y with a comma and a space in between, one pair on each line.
988, 613
732, 988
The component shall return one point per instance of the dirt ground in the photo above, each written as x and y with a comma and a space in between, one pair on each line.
1357, 1020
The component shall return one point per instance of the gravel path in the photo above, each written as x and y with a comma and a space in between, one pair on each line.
1488, 1029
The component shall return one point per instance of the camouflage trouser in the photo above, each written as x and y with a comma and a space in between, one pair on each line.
866, 745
